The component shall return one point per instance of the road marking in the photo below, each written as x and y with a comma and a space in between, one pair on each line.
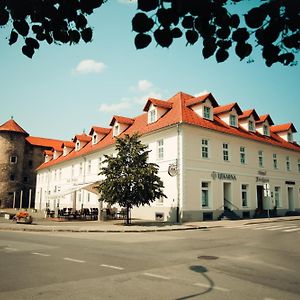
212, 287
10, 249
283, 227
111, 267
266, 227
74, 260
156, 276
292, 230
40, 254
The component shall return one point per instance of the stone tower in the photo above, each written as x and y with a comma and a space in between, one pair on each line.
12, 150
20, 155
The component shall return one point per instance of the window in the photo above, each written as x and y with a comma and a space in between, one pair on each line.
204, 151
289, 137
94, 138
12, 177
160, 149
13, 159
77, 147
260, 159
275, 162
266, 130
225, 152
288, 163
299, 165
116, 130
242, 155
205, 194
30, 163
89, 167
152, 114
251, 125
232, 120
80, 168
206, 112
244, 195
277, 196
25, 179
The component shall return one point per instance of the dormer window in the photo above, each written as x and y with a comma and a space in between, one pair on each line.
116, 130
251, 126
207, 112
152, 116
77, 147
290, 137
232, 120
266, 130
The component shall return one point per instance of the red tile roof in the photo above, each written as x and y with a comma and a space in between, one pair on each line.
82, 137
68, 144
156, 102
227, 108
263, 118
283, 128
121, 120
247, 113
200, 99
179, 113
100, 130
48, 152
13, 126
44, 142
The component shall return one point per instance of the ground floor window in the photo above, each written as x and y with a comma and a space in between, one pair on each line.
205, 194
277, 196
245, 195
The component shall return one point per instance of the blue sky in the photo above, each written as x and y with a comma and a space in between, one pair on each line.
65, 89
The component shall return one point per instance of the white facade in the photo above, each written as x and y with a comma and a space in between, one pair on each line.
215, 170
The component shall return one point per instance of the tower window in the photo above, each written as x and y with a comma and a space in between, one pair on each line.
13, 159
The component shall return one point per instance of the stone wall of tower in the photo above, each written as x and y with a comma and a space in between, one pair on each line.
12, 144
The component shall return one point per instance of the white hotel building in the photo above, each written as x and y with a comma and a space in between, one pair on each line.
211, 158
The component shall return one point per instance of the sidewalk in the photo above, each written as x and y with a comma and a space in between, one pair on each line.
46, 225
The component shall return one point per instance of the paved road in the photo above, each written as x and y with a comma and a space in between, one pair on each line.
236, 262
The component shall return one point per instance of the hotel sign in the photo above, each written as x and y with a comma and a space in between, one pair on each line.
262, 179
226, 176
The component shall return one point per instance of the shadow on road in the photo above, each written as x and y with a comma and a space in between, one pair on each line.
210, 284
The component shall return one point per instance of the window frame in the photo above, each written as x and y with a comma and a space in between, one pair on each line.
288, 163
251, 126
243, 155
277, 192
207, 112
245, 191
205, 189
13, 159
152, 115
225, 152
266, 130
275, 161
205, 148
261, 158
160, 149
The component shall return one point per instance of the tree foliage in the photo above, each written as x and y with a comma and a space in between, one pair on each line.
273, 25
129, 179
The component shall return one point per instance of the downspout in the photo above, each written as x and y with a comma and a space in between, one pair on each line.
178, 163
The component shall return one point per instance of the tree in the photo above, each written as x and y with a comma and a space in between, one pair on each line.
274, 25
129, 179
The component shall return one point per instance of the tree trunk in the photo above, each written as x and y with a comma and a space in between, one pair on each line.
127, 215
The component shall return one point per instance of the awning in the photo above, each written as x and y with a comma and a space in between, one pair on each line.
91, 187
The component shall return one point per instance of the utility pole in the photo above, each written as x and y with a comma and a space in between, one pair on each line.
14, 200
21, 199
29, 201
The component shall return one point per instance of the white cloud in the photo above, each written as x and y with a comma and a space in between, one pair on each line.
114, 107
89, 66
143, 85
143, 98
202, 93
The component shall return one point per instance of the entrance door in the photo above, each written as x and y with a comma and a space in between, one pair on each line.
291, 198
260, 197
227, 195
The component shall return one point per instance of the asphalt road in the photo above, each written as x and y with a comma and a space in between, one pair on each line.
247, 262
